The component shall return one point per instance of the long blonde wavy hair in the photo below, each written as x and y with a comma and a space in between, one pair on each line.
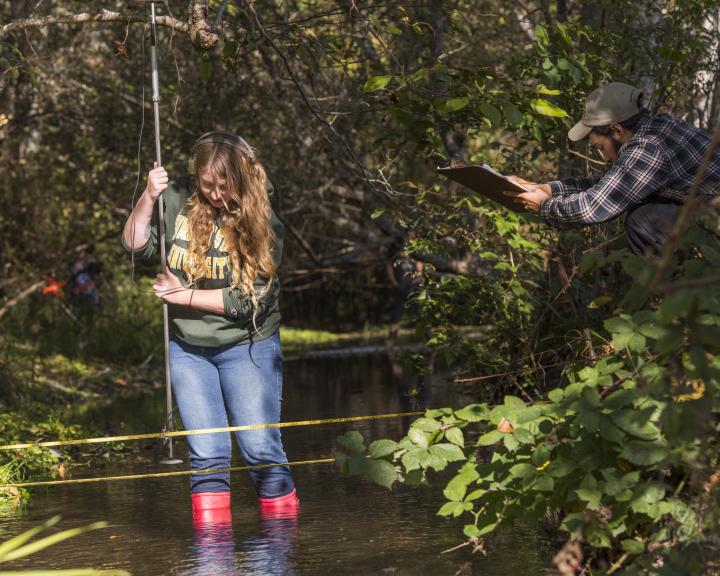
245, 222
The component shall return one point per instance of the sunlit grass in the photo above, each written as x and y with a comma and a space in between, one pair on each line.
301, 339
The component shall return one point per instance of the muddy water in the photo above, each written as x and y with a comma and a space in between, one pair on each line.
347, 525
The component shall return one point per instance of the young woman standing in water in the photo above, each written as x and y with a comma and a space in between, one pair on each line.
224, 246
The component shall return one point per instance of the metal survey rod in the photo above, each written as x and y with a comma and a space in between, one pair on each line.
161, 218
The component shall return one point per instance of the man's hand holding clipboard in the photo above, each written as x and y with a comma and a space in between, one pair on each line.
512, 192
536, 194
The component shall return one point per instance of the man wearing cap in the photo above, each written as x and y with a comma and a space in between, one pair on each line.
652, 162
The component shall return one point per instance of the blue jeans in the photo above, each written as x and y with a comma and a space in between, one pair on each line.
244, 381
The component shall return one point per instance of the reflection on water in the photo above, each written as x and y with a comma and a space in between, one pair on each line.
347, 525
213, 550
270, 550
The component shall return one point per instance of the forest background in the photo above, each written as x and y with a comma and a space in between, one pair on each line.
604, 365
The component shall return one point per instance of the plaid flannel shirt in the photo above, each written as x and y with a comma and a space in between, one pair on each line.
657, 164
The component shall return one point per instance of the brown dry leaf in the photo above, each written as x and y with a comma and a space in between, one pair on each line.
61, 471
713, 481
505, 426
15, 492
121, 49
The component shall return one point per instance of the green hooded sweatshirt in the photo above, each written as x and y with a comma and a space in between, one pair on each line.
198, 327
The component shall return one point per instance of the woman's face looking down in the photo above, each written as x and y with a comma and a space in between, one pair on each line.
215, 190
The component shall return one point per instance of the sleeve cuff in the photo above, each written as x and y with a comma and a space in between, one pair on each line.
234, 306
545, 209
142, 251
557, 187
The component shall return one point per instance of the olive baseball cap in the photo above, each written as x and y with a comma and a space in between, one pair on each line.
610, 103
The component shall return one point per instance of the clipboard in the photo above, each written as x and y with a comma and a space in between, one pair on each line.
486, 181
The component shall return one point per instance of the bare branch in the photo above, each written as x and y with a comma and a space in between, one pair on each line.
101, 15
196, 28
361, 167
21, 296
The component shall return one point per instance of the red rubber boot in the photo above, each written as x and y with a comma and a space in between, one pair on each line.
286, 506
211, 508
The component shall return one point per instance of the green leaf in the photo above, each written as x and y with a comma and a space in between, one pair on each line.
652, 330
523, 470
418, 437
561, 467
377, 213
590, 495
352, 441
609, 431
411, 458
524, 436
486, 526
547, 108
473, 412
513, 402
448, 452
426, 424
556, 395
632, 546
544, 483
435, 460
381, 448
637, 343
455, 104
450, 508
341, 459
644, 453
619, 325
229, 49
415, 477
471, 531
206, 70
636, 423
513, 116
510, 442
541, 36
597, 536
394, 30
357, 464
489, 438
457, 487
475, 494
437, 412
491, 113
591, 397
376, 83
599, 302
542, 89
382, 472
455, 436
620, 399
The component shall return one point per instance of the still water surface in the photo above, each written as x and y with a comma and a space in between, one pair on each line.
347, 525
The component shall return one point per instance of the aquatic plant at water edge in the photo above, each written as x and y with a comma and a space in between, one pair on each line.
21, 546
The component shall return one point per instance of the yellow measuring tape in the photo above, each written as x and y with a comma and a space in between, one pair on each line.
129, 437
162, 474
184, 433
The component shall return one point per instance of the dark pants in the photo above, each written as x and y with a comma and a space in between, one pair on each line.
648, 226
